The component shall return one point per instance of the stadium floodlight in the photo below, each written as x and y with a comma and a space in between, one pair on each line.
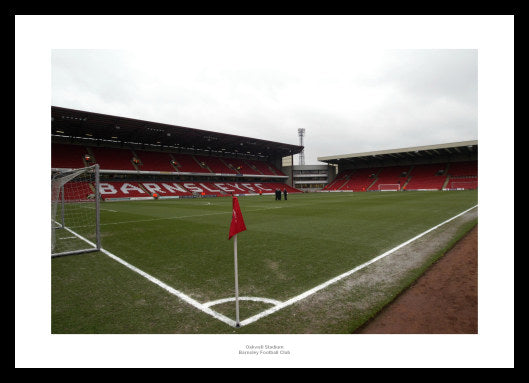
301, 134
389, 187
75, 209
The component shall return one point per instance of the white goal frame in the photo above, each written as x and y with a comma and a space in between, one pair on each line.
388, 187
74, 209
462, 185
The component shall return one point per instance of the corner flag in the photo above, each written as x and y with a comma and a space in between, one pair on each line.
237, 222
237, 225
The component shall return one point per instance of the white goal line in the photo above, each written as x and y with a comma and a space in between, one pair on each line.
92, 245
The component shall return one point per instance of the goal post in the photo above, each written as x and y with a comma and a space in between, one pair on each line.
75, 206
389, 187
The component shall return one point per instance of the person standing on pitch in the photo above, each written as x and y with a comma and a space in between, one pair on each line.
285, 193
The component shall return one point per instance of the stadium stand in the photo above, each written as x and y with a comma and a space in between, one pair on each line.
163, 189
71, 156
186, 163
345, 174
112, 158
361, 179
215, 164
462, 183
143, 189
240, 166
463, 169
139, 158
154, 161
67, 156
78, 191
340, 180
391, 175
262, 167
463, 175
429, 167
166, 189
427, 177
122, 190
276, 170
335, 185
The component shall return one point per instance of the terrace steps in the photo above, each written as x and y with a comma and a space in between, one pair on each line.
202, 164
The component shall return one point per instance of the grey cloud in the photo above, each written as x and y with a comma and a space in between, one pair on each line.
401, 98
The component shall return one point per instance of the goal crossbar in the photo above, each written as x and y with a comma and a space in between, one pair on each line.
389, 187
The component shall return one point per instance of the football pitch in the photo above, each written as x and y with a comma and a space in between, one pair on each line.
315, 263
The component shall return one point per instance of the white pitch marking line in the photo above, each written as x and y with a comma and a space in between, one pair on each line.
191, 216
183, 216
101, 208
341, 276
164, 286
77, 235
163, 218
173, 291
255, 299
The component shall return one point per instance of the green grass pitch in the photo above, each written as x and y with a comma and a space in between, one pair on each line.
288, 248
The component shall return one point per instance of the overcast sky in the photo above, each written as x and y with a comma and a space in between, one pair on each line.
348, 100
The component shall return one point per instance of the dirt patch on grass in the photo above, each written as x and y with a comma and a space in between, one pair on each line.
442, 301
274, 267
354, 301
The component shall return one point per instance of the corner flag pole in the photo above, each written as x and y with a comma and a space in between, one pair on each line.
237, 324
236, 226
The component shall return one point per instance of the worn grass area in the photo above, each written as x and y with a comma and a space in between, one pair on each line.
289, 247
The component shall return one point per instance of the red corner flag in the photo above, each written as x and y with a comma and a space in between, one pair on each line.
237, 222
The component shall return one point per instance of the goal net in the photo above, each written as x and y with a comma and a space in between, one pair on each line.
389, 187
463, 185
75, 211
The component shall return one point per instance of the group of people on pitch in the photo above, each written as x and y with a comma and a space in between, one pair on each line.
278, 194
